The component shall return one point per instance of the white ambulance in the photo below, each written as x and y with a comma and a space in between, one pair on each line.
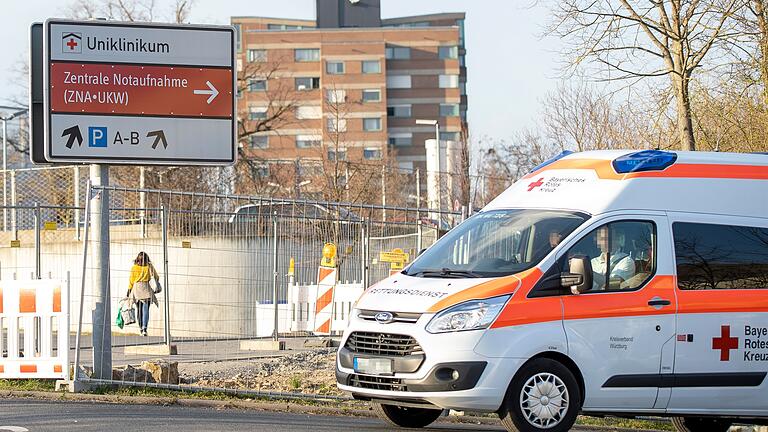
608, 283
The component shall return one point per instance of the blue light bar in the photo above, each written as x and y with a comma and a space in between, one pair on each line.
646, 160
562, 154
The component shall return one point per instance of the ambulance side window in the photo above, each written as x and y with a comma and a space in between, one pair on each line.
621, 255
711, 256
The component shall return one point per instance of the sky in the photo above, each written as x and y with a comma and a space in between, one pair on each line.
510, 68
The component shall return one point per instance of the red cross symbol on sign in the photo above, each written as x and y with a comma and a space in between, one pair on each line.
71, 43
535, 184
725, 343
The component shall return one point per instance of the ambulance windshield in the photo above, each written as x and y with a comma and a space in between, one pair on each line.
496, 243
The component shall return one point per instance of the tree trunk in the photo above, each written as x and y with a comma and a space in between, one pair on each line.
762, 38
684, 117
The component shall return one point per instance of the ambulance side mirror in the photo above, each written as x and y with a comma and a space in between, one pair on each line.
579, 275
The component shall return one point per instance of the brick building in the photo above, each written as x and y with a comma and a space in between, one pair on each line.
349, 86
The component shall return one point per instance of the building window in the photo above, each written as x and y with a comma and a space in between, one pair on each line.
449, 110
710, 256
260, 171
397, 53
463, 88
337, 125
460, 23
308, 112
340, 154
371, 67
448, 52
307, 83
334, 67
308, 141
371, 95
260, 141
372, 153
257, 113
306, 54
449, 136
399, 111
284, 27
310, 169
399, 81
372, 124
238, 38
336, 96
401, 139
257, 55
257, 85
449, 81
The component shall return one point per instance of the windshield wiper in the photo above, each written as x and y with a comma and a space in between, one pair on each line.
446, 272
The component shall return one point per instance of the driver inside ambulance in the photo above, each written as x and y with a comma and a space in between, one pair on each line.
621, 265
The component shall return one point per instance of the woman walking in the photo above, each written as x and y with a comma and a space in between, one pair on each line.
139, 290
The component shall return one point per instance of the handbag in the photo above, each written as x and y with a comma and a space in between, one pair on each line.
157, 288
127, 312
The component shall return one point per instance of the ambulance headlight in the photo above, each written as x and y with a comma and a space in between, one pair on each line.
470, 315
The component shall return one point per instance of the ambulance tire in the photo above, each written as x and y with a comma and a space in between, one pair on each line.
405, 416
701, 424
511, 412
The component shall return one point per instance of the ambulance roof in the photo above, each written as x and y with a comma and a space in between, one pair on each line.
601, 181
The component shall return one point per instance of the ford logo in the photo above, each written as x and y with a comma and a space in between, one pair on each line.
384, 317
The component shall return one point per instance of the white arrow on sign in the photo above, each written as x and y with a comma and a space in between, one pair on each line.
212, 92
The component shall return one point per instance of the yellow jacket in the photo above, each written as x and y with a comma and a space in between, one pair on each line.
141, 274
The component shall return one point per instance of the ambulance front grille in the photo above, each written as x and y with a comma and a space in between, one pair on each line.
377, 383
384, 344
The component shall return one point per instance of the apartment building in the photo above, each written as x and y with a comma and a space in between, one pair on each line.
349, 85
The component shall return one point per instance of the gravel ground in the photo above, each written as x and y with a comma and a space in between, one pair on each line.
305, 372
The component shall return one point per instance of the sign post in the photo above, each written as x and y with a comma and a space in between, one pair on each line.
129, 94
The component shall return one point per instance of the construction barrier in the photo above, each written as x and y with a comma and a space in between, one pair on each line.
34, 329
303, 302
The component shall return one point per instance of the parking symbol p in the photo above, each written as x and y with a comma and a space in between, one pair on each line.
97, 136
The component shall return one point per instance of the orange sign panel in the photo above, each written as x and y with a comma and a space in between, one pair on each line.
141, 90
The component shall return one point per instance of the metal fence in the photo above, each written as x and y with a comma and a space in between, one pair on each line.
222, 259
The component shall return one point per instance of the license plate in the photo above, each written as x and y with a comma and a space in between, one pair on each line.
375, 366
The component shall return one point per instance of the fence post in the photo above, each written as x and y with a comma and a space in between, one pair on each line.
419, 237
76, 200
166, 295
37, 241
14, 212
363, 259
143, 203
274, 273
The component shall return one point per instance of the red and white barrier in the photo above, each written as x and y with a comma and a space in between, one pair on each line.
326, 282
303, 300
34, 329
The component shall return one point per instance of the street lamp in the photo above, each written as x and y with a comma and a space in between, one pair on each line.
6, 114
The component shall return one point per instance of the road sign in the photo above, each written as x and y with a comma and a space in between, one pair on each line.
127, 93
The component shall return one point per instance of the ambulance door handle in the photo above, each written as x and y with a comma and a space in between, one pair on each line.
658, 302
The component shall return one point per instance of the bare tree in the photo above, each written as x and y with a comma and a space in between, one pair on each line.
632, 40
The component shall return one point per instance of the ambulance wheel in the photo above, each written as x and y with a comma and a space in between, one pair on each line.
543, 396
701, 424
405, 416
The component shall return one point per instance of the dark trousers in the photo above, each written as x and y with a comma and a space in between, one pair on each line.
142, 310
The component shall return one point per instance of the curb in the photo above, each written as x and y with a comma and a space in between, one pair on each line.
274, 406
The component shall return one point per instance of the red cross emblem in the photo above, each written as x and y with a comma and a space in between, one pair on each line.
725, 343
70, 42
535, 184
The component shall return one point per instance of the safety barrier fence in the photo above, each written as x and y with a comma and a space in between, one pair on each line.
231, 268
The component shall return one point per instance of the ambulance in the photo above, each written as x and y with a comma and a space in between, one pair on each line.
609, 283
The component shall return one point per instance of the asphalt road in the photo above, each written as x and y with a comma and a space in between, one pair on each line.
21, 415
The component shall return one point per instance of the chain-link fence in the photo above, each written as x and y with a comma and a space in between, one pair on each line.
229, 267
